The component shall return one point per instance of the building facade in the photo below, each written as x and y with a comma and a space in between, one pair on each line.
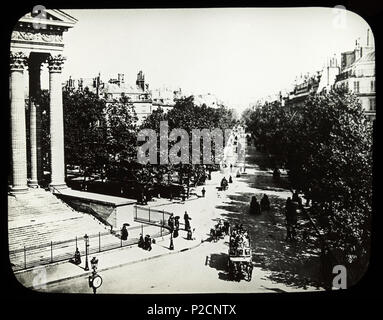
145, 101
358, 76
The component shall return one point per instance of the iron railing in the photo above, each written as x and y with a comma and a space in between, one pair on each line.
32, 256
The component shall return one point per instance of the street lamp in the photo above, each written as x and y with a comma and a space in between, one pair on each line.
86, 238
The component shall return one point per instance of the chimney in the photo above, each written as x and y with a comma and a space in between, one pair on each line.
141, 80
120, 78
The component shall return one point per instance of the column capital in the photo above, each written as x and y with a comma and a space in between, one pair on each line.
55, 63
18, 61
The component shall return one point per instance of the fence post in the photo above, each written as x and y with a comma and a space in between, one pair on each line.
120, 241
51, 251
142, 229
25, 258
149, 214
163, 217
136, 211
99, 242
161, 230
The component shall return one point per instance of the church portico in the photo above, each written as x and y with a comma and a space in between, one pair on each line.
36, 41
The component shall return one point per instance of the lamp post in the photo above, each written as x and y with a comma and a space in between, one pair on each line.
86, 238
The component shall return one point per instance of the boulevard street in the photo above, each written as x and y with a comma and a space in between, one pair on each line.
279, 266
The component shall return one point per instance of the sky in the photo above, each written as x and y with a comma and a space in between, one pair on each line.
238, 54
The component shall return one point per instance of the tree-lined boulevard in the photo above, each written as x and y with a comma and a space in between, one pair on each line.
321, 150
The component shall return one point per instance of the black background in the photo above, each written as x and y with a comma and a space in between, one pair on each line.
21, 301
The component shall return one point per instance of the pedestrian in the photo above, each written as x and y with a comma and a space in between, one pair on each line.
187, 223
77, 257
297, 198
203, 192
177, 223
171, 222
141, 242
254, 206
276, 174
124, 233
231, 167
265, 203
148, 242
230, 179
289, 219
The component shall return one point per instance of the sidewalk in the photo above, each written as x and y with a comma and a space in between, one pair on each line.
38, 277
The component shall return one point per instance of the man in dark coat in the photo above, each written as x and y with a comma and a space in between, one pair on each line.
171, 222
187, 223
265, 203
124, 233
141, 242
291, 218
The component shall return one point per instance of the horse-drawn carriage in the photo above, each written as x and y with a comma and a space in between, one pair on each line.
219, 231
240, 256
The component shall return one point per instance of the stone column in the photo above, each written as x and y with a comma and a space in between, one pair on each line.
35, 91
18, 133
56, 122
33, 140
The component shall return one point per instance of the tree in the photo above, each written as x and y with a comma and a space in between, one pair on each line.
121, 128
326, 145
186, 115
84, 131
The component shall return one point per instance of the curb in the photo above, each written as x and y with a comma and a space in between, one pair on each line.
119, 265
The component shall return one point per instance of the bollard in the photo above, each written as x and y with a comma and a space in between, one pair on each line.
163, 217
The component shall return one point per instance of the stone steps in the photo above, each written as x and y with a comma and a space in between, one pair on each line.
37, 218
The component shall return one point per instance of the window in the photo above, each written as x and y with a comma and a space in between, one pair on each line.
372, 86
356, 86
372, 104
